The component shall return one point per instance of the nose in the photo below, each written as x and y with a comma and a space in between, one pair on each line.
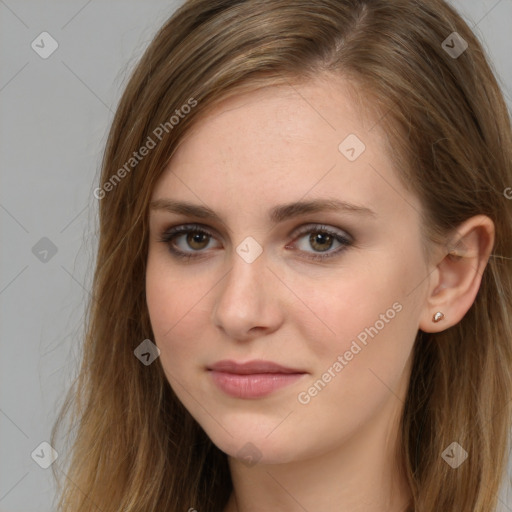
247, 303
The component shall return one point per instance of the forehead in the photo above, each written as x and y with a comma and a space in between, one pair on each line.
280, 144
280, 117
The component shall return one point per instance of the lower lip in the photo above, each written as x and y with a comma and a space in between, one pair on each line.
253, 385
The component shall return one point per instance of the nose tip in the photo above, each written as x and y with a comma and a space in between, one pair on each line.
246, 303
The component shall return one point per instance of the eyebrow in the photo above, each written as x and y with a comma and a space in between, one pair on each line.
276, 214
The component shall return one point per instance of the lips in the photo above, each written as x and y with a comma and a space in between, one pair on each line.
250, 367
253, 379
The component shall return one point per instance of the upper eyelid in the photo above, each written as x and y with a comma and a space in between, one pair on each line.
179, 229
312, 226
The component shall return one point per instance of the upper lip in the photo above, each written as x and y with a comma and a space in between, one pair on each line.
255, 366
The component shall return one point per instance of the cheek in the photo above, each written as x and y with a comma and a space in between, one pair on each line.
178, 313
167, 300
161, 300
368, 313
363, 364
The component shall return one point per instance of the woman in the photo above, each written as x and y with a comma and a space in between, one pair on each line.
303, 291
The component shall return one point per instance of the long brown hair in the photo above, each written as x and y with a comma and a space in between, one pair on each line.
133, 446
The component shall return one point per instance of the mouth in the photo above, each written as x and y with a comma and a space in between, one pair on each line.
251, 367
253, 379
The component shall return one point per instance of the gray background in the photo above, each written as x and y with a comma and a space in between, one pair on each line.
54, 119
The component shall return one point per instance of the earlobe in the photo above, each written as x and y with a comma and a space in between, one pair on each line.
456, 279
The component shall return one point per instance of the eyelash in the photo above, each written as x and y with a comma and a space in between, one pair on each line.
171, 234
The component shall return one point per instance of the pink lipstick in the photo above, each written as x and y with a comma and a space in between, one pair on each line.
253, 379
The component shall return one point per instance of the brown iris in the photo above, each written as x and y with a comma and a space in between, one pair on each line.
201, 239
320, 238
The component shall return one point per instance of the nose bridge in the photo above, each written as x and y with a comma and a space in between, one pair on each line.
244, 299
243, 283
248, 262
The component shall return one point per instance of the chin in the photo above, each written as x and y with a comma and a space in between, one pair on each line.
253, 444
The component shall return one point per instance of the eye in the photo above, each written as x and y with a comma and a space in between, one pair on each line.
191, 237
189, 241
322, 239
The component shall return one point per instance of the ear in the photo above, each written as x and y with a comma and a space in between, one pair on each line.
456, 280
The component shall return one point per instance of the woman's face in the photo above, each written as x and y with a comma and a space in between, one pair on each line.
259, 177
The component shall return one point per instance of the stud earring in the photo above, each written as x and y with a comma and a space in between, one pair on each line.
438, 317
